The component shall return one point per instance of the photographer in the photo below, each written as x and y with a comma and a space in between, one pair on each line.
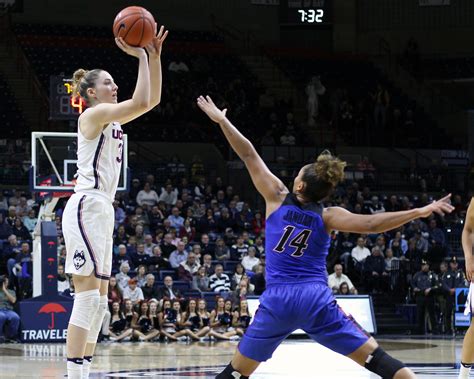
7, 316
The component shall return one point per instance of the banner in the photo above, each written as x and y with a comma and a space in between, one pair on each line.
459, 305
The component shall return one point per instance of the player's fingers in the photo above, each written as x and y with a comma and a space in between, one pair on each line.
163, 37
224, 111
446, 198
209, 100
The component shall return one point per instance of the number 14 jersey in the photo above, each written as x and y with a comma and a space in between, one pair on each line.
99, 161
296, 243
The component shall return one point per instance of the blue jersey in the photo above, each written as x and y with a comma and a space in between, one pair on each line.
296, 243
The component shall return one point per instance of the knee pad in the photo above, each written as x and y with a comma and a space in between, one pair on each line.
96, 325
380, 363
84, 309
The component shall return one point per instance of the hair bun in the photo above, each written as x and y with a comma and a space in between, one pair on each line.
329, 168
78, 75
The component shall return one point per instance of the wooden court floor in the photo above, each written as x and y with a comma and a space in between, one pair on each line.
429, 358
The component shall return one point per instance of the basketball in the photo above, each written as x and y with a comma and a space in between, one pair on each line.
135, 25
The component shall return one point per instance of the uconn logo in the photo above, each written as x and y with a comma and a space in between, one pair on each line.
117, 134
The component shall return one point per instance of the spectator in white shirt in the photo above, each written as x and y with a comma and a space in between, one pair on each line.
133, 292
360, 252
169, 195
250, 260
219, 281
147, 196
337, 278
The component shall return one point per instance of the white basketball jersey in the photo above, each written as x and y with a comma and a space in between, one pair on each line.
99, 161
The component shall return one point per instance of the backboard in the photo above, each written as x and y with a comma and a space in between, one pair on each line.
53, 162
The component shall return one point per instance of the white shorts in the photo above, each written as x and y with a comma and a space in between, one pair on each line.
88, 226
470, 300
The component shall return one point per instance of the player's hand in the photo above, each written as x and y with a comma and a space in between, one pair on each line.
130, 50
439, 207
156, 44
470, 270
208, 107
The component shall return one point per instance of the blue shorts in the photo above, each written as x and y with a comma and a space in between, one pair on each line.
308, 306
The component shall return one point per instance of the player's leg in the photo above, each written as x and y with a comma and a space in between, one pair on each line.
86, 304
467, 355
273, 322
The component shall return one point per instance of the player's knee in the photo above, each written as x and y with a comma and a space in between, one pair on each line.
85, 307
380, 363
230, 373
97, 320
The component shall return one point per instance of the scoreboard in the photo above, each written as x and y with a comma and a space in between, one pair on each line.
62, 105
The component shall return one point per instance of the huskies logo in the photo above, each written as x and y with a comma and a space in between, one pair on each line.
79, 259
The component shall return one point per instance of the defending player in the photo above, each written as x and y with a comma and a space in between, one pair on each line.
467, 355
297, 241
88, 220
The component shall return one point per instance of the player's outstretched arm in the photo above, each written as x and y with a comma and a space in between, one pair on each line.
467, 237
125, 111
154, 54
337, 218
269, 186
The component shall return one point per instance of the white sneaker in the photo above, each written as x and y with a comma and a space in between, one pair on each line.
183, 338
235, 338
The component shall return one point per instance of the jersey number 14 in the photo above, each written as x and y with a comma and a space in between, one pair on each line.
300, 241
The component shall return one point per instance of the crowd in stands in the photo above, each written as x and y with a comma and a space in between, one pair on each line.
177, 241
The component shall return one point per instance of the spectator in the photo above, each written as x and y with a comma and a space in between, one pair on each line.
5, 228
133, 292
337, 278
421, 243
63, 281
239, 250
167, 291
9, 319
148, 244
149, 289
437, 241
187, 230
344, 245
114, 294
250, 260
258, 223
207, 247
175, 219
239, 273
197, 251
169, 195
121, 237
375, 206
156, 261
119, 214
374, 269
188, 268
147, 196
222, 252
344, 289
121, 257
20, 230
122, 277
166, 246
207, 263
141, 276
29, 221
219, 281
360, 252
229, 237
401, 242
140, 258
258, 279
21, 268
450, 280
178, 256
201, 280
259, 246
424, 284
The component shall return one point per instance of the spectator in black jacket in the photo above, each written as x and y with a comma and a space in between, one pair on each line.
122, 256
168, 291
156, 261
140, 257
374, 270
150, 290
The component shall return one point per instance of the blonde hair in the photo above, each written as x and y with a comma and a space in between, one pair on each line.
82, 80
329, 168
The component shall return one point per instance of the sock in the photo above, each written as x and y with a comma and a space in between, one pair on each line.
86, 367
74, 368
464, 370
230, 373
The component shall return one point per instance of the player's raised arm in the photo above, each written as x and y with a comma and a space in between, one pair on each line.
269, 186
99, 90
336, 218
467, 238
154, 55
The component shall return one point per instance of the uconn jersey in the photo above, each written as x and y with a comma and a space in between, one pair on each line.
99, 161
88, 219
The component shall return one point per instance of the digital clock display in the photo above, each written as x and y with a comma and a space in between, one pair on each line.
62, 105
306, 12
